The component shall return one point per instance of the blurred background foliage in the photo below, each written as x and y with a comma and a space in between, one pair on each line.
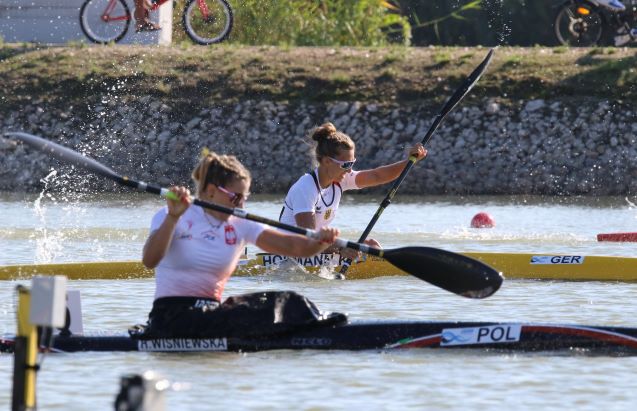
383, 22
482, 22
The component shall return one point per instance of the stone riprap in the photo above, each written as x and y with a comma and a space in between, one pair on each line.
485, 147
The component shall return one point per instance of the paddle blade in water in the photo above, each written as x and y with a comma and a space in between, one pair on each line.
450, 271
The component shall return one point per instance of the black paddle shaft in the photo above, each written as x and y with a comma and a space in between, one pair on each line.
453, 272
453, 101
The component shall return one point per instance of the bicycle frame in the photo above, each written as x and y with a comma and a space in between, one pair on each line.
106, 16
203, 7
157, 4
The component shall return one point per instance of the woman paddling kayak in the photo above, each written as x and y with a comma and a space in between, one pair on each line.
194, 251
313, 200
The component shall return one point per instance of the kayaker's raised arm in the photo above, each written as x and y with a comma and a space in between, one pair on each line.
385, 174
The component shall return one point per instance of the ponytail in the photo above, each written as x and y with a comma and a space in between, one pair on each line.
218, 169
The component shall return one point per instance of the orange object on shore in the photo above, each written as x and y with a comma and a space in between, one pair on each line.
618, 237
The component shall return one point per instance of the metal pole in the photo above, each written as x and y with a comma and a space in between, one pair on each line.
26, 350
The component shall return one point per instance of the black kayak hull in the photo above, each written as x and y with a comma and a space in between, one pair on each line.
524, 337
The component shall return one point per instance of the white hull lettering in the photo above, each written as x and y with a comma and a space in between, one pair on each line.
492, 334
183, 344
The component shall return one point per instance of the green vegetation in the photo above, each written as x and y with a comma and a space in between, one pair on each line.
512, 61
312, 23
442, 58
454, 14
195, 76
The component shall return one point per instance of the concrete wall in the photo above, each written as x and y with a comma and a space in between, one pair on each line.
58, 22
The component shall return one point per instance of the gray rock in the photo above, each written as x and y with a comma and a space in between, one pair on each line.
193, 123
534, 105
492, 108
354, 108
339, 108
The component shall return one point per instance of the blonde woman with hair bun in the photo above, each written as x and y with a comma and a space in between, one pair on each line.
313, 199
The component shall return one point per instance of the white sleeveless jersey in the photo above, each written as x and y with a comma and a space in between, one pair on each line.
306, 196
203, 253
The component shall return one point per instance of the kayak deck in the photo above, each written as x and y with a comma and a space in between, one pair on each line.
490, 336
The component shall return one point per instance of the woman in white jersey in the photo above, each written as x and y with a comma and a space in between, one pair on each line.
195, 250
313, 200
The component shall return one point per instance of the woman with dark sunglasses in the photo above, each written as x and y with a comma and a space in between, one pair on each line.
195, 251
313, 200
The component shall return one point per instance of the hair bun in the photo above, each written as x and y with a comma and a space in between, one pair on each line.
323, 132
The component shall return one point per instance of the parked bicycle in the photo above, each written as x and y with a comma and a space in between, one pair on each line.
204, 21
586, 23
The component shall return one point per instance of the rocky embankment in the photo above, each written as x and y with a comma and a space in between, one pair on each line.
485, 147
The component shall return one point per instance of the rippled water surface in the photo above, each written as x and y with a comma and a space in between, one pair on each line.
114, 228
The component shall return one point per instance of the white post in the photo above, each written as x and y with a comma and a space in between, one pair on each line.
166, 23
48, 300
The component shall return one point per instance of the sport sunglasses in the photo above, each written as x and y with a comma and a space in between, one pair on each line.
235, 198
345, 165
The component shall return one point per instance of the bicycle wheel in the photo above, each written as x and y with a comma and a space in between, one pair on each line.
578, 24
104, 21
207, 21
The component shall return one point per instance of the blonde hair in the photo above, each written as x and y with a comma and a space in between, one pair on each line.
329, 141
218, 169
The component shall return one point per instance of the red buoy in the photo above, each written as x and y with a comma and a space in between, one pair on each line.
482, 220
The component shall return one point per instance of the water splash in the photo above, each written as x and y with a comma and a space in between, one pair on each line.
38, 201
290, 270
497, 21
47, 244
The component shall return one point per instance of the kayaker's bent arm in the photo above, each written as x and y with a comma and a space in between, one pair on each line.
159, 240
